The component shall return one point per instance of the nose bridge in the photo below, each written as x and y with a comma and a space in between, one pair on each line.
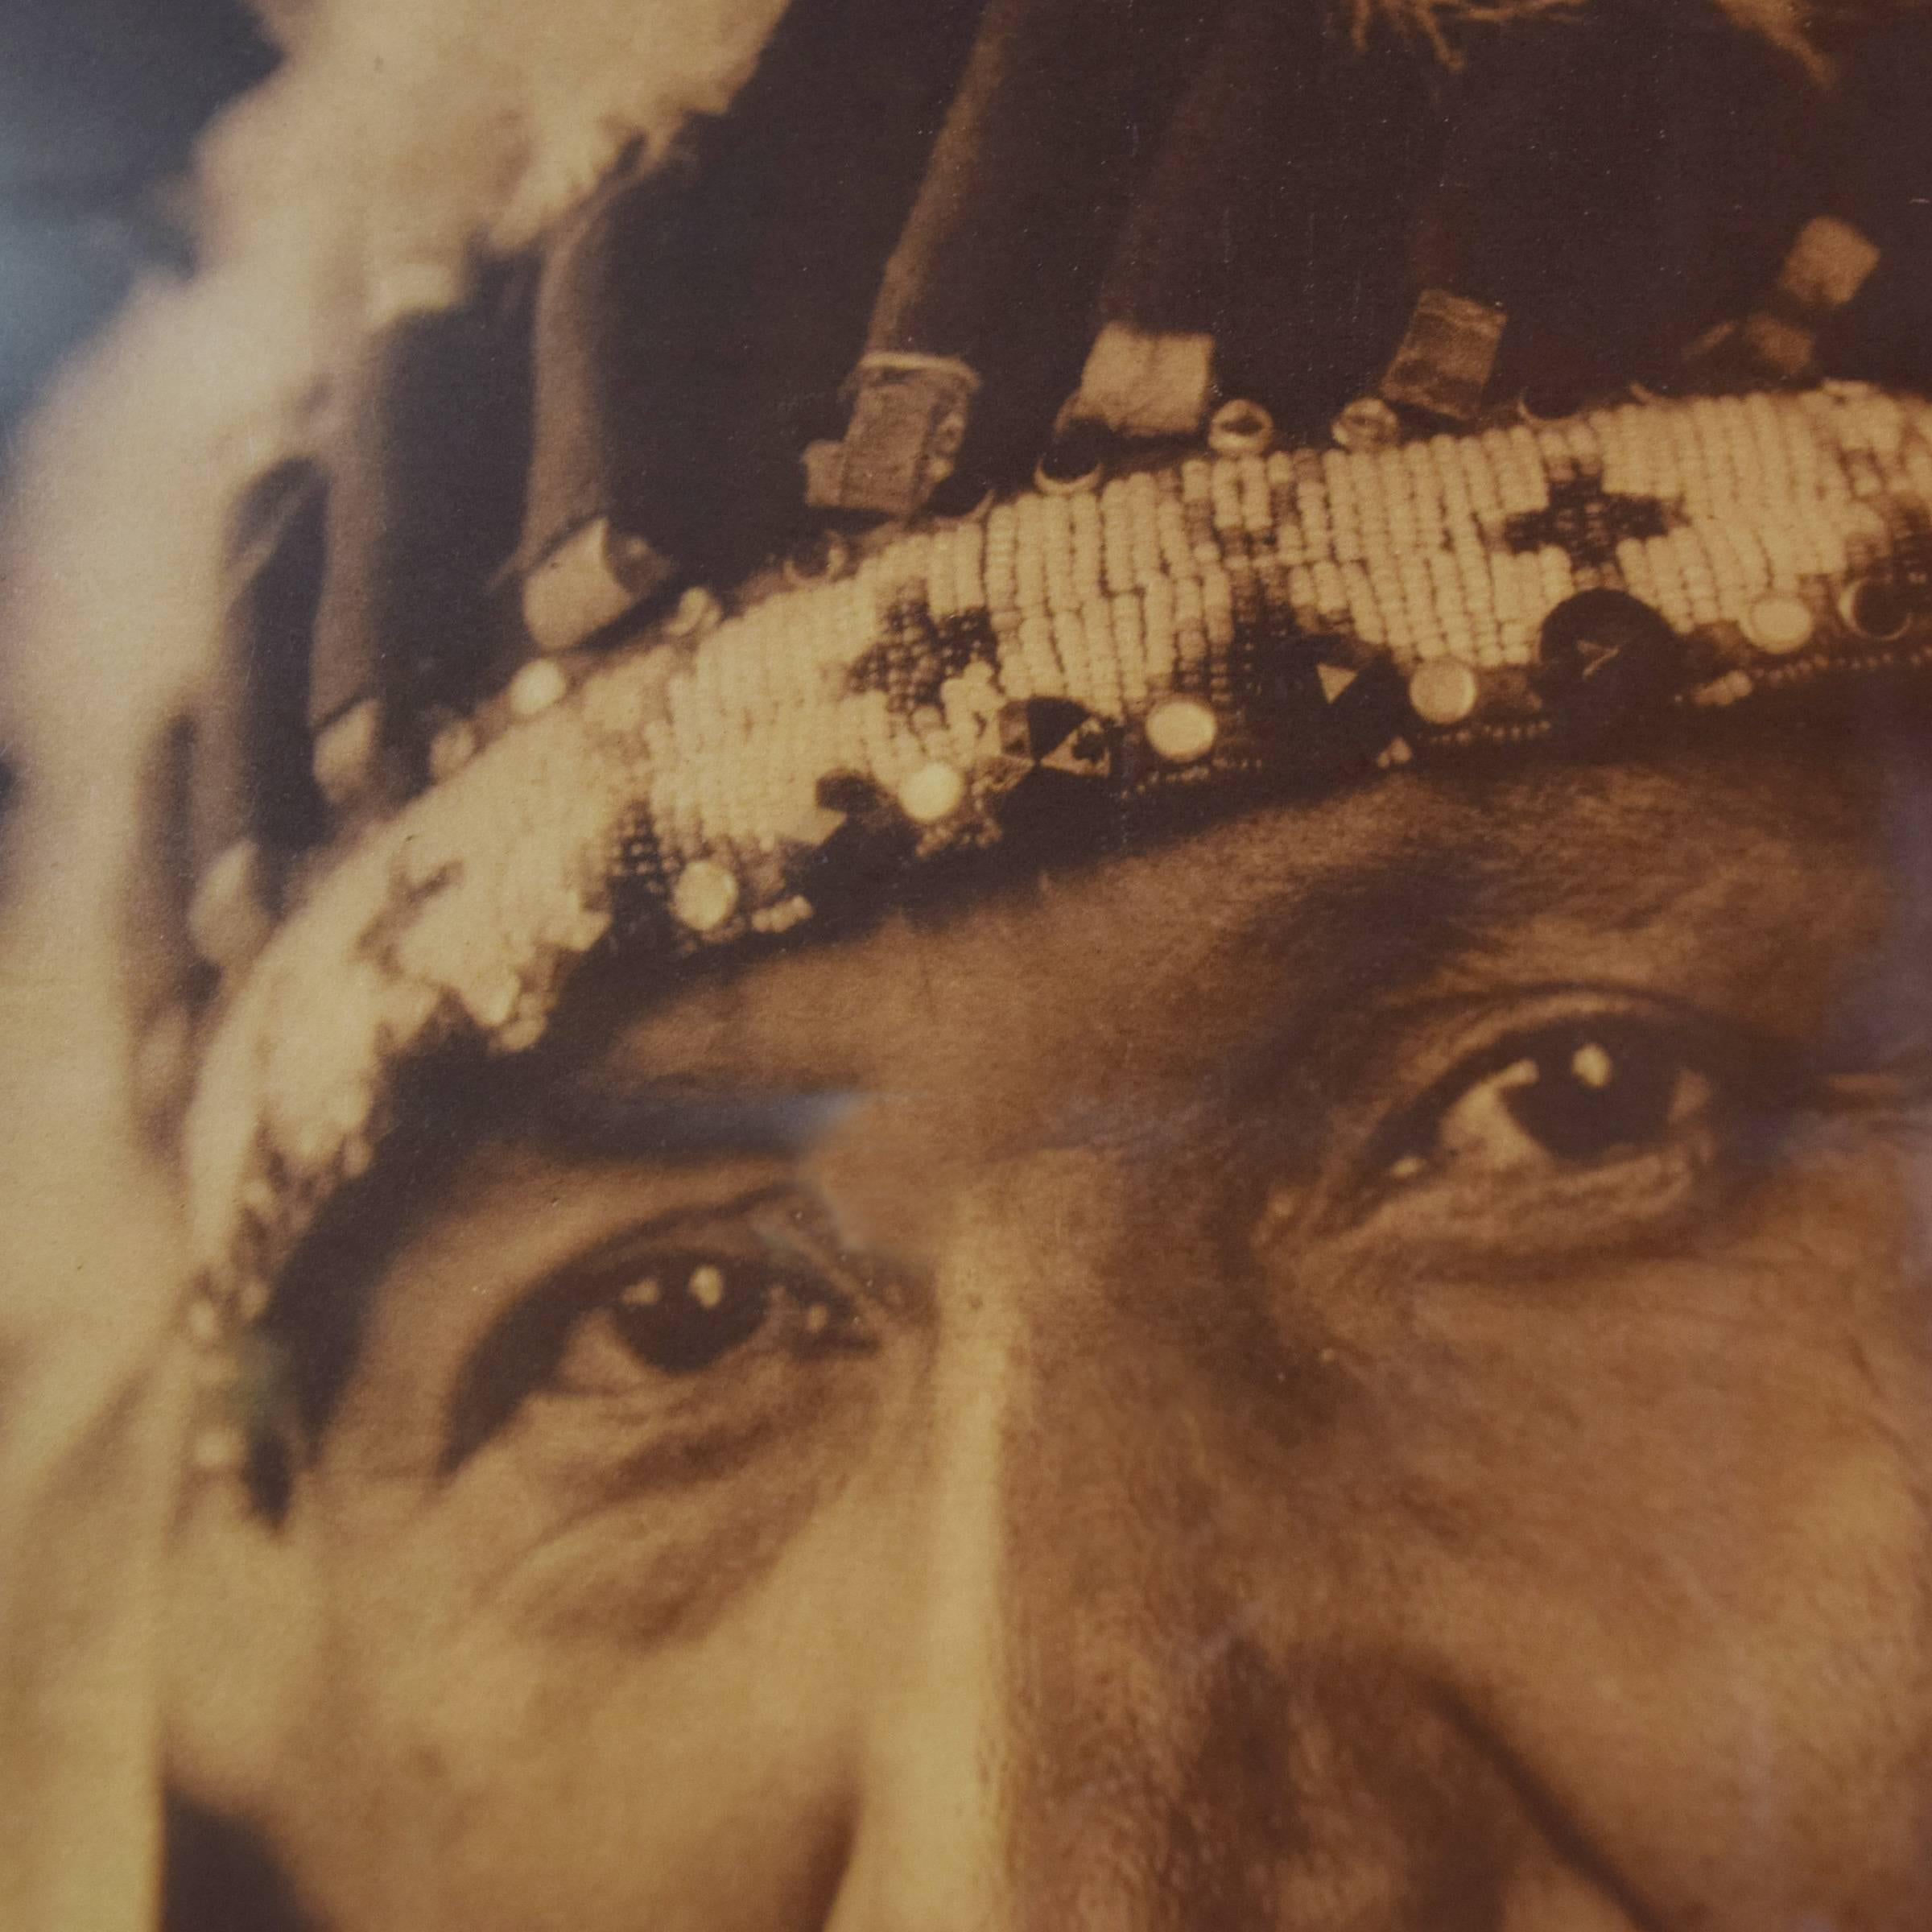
1143, 1689
929, 1855
1139, 1727
1065, 1694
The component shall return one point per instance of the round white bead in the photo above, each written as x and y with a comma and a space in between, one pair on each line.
1240, 428
1182, 730
1443, 692
932, 793
705, 895
228, 918
345, 753
1779, 623
537, 687
697, 610
1368, 423
451, 749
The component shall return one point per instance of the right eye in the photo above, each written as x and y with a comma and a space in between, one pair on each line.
1576, 1095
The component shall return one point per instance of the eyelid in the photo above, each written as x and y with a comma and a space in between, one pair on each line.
1765, 1060
1449, 1046
510, 1360
584, 1275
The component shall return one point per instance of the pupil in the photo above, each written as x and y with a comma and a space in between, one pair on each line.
1589, 1099
685, 1315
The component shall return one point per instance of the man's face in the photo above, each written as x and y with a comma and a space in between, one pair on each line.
1365, 1370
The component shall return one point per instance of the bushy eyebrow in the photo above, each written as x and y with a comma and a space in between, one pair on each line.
451, 1108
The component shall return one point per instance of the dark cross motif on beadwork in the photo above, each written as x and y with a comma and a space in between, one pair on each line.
915, 656
637, 883
1587, 521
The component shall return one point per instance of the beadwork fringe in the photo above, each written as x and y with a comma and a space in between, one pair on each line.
1170, 637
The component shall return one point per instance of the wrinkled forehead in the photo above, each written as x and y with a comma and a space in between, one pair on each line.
1758, 878
1147, 1004
879, 738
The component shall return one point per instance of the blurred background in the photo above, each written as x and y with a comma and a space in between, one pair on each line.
100, 102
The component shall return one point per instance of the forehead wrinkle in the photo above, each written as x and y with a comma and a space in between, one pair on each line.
1114, 1006
1317, 901
1149, 966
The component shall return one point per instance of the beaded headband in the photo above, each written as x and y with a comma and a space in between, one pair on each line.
1092, 660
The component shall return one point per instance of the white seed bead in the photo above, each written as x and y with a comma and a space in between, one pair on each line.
1182, 730
1779, 623
1443, 692
933, 792
705, 895
228, 918
537, 687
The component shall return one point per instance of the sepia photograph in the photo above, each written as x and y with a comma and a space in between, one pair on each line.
965, 966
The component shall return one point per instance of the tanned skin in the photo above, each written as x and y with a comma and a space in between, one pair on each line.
1364, 1372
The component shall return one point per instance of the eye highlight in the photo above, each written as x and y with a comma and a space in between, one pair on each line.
1566, 1121
710, 1320
680, 1312
1570, 1095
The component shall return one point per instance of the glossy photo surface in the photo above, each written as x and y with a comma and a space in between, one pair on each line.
963, 968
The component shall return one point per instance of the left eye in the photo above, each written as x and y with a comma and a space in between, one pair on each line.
709, 1313
1577, 1095
679, 1312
